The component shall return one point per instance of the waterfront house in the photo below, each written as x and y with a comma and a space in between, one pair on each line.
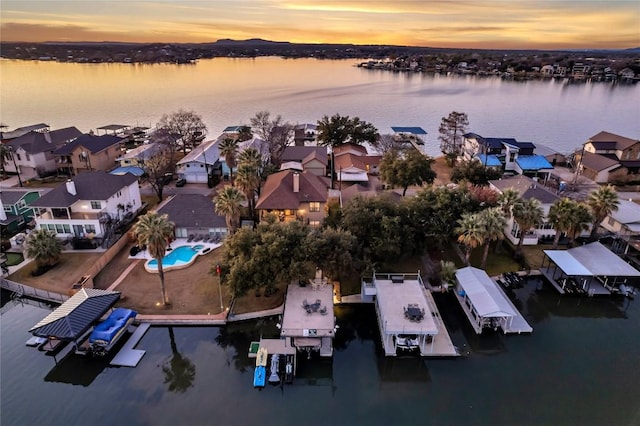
33, 152
410, 136
88, 152
200, 162
625, 224
485, 304
292, 195
310, 158
15, 211
88, 205
194, 216
607, 157
133, 160
7, 136
506, 153
528, 188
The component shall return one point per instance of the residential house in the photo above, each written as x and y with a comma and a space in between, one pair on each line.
255, 143
627, 74
200, 162
15, 211
305, 134
194, 215
513, 156
622, 153
133, 160
88, 205
352, 168
33, 152
547, 71
625, 224
292, 195
7, 136
528, 188
88, 152
310, 158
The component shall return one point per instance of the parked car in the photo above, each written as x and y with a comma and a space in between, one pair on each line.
181, 182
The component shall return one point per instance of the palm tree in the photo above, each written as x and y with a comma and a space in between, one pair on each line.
250, 156
470, 232
229, 150
507, 199
447, 272
43, 246
581, 219
568, 216
248, 182
229, 203
527, 214
493, 224
602, 202
155, 231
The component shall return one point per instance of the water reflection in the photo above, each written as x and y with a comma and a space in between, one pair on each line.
179, 372
239, 335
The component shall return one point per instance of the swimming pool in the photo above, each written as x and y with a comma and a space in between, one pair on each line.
178, 258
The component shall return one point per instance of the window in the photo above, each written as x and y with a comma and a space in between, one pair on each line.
314, 223
67, 228
18, 156
314, 206
59, 228
22, 204
90, 229
512, 157
96, 205
8, 209
27, 156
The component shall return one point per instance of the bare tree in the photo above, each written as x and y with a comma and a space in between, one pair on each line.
386, 143
187, 125
155, 169
277, 133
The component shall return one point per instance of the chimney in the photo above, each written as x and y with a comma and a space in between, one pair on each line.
71, 187
296, 182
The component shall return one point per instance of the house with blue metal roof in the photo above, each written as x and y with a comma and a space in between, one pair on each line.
513, 156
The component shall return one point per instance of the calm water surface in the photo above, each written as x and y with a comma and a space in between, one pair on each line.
230, 91
579, 367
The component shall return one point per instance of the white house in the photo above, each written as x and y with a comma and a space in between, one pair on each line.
528, 188
196, 166
87, 205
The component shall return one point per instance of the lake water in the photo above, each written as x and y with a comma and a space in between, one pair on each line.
230, 91
579, 367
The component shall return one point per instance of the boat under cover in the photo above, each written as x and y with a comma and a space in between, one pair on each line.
107, 332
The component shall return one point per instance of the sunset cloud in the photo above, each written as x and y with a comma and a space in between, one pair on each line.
445, 23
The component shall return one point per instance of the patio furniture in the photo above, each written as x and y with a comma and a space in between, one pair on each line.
323, 311
198, 238
191, 237
206, 238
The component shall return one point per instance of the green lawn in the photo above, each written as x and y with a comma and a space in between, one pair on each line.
14, 259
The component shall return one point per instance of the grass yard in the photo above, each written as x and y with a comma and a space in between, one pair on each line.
253, 301
60, 278
191, 291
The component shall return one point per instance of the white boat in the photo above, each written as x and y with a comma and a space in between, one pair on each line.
275, 366
407, 342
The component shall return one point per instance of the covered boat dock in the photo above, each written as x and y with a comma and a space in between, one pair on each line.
591, 269
73, 319
485, 304
407, 313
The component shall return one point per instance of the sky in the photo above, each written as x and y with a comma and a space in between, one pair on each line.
504, 24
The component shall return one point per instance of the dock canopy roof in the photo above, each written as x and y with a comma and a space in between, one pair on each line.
591, 260
412, 130
480, 289
75, 316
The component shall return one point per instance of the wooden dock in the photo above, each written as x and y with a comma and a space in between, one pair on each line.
128, 356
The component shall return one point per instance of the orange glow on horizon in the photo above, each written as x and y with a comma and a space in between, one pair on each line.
440, 23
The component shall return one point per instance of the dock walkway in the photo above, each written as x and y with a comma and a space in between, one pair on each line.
128, 356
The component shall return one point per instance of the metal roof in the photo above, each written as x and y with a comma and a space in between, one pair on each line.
481, 290
75, 316
412, 130
489, 160
134, 170
591, 260
533, 162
